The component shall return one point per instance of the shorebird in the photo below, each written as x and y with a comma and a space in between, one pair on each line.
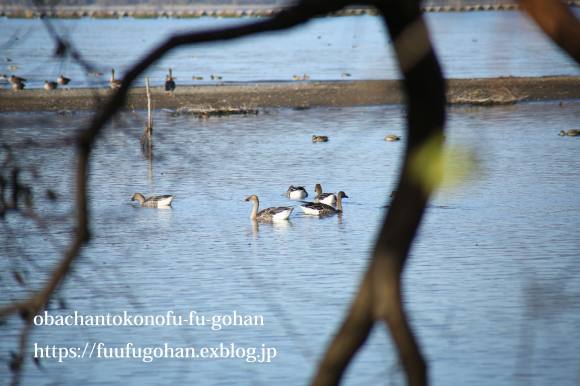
63, 80
50, 85
169, 82
114, 83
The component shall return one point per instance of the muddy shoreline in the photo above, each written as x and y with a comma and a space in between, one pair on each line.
488, 91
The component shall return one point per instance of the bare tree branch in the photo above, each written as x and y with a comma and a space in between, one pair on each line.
380, 297
558, 22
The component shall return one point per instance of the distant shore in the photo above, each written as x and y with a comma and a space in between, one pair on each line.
230, 10
485, 91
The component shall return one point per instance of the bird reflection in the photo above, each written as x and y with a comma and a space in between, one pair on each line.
277, 226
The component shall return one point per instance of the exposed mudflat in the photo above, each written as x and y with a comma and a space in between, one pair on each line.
486, 91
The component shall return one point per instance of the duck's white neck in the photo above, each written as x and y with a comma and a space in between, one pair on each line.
254, 213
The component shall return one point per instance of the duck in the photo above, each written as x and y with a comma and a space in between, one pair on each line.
196, 77
296, 192
392, 138
570, 133
50, 85
319, 138
62, 80
268, 214
320, 209
325, 198
215, 77
114, 83
169, 82
153, 201
16, 79
17, 85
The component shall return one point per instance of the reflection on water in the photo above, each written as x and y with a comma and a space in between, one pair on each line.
491, 284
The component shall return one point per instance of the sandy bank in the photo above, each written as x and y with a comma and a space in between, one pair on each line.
298, 94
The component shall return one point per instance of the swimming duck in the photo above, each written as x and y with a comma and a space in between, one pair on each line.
296, 192
215, 77
114, 83
169, 82
50, 85
268, 214
153, 201
319, 138
570, 133
392, 138
320, 209
195, 77
62, 80
325, 198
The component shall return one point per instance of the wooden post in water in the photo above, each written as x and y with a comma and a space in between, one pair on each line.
147, 137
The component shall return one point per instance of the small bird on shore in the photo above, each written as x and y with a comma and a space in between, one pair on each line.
18, 86
16, 79
319, 138
169, 82
16, 82
62, 80
114, 83
303, 77
50, 85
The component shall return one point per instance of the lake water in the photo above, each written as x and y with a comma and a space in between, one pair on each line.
480, 44
491, 285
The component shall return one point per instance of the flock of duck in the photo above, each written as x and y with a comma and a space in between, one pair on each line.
19, 83
324, 204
